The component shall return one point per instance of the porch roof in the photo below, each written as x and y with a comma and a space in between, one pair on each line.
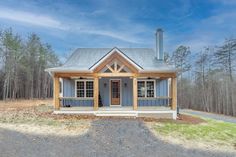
83, 58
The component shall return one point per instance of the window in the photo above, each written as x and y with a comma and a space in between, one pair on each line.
141, 88
84, 89
150, 88
89, 89
146, 88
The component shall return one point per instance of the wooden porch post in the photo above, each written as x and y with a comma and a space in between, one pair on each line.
96, 93
135, 95
56, 92
174, 93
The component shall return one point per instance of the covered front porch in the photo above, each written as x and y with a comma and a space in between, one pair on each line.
131, 104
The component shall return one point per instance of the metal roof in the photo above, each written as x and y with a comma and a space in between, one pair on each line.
83, 59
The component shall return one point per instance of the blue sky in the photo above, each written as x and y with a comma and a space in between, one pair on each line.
69, 24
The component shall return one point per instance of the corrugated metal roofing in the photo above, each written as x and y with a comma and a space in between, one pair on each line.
83, 58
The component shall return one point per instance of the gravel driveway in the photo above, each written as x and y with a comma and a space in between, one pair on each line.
209, 115
106, 138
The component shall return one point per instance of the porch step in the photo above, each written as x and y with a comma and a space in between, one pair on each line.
116, 114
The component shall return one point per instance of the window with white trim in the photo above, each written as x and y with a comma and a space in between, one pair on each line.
84, 88
146, 88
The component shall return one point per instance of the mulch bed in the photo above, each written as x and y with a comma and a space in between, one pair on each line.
182, 119
190, 119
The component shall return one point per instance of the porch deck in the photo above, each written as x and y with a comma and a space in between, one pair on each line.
117, 108
152, 111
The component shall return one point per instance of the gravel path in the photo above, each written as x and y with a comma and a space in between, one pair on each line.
209, 115
106, 138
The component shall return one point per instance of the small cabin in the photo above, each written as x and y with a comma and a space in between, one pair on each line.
116, 82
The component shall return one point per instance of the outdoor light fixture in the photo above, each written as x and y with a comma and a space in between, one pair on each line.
105, 84
125, 84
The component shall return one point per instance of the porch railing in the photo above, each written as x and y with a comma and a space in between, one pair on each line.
74, 102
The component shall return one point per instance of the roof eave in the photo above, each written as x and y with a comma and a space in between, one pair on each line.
52, 70
158, 71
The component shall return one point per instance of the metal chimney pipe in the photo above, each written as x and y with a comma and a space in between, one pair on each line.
159, 44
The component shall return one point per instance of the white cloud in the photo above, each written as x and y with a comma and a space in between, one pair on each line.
116, 35
31, 18
50, 22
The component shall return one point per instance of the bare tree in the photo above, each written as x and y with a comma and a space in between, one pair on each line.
181, 61
22, 66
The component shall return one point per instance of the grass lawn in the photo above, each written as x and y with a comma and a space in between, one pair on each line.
216, 133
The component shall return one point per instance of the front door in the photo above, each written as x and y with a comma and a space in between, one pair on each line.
115, 92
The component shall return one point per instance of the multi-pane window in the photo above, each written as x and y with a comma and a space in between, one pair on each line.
141, 89
80, 88
84, 89
150, 88
89, 89
146, 88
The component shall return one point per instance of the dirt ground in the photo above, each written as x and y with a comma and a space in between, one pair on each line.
35, 116
21, 104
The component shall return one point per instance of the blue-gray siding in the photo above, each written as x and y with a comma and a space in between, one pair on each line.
68, 88
126, 87
127, 96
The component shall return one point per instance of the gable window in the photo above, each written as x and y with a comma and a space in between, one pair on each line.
84, 89
146, 88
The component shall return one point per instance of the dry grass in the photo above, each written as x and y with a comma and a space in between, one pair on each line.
35, 116
21, 104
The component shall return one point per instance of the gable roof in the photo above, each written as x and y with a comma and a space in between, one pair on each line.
84, 59
112, 51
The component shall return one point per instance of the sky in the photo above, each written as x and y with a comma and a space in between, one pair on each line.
69, 24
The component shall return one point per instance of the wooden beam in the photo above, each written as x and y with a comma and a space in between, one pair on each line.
56, 87
135, 94
109, 67
161, 75
96, 93
115, 66
114, 74
74, 74
122, 66
174, 93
